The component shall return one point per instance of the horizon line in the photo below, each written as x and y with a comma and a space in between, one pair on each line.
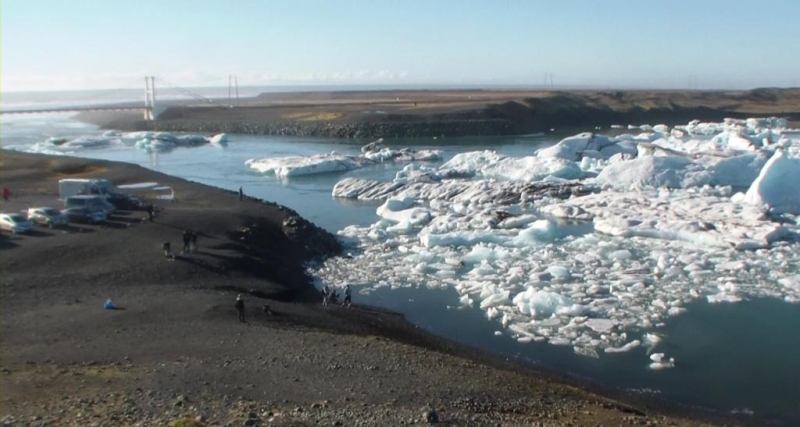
423, 86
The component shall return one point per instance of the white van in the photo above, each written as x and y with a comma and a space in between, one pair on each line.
91, 186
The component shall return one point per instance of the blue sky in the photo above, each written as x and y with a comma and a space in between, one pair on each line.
90, 44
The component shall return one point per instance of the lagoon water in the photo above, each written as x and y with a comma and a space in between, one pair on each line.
731, 358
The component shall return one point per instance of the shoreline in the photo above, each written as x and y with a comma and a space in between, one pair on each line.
179, 324
451, 113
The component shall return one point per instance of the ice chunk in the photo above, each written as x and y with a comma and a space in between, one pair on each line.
776, 186
540, 304
495, 300
401, 211
558, 271
601, 325
219, 140
300, 165
738, 171
660, 363
627, 347
653, 172
704, 220
489, 164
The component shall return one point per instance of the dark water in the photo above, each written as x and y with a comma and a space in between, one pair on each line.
731, 359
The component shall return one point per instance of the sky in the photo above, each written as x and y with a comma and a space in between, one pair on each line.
697, 44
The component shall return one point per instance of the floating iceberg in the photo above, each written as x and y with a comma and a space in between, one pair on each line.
706, 220
290, 166
489, 164
776, 189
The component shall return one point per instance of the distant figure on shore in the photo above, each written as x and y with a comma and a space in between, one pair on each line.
187, 238
6, 193
348, 296
150, 211
167, 248
325, 295
241, 194
240, 308
193, 242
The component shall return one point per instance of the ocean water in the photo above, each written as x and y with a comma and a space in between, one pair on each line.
735, 359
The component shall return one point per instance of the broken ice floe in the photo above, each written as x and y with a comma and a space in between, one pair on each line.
148, 141
554, 261
700, 217
480, 192
291, 166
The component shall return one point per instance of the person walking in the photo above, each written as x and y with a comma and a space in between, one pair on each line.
193, 242
241, 194
187, 237
347, 296
150, 211
166, 247
6, 193
325, 295
240, 308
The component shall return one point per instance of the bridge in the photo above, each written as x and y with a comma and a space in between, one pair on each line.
150, 110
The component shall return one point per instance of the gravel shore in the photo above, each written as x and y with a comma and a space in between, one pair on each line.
175, 354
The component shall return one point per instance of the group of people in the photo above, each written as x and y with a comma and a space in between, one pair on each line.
189, 242
189, 245
330, 296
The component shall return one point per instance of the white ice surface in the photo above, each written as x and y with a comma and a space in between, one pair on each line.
291, 166
489, 164
777, 188
648, 252
703, 218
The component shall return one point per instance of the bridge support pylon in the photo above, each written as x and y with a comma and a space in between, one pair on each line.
149, 98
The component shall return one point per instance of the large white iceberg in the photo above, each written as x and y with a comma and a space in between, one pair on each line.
777, 187
290, 166
489, 164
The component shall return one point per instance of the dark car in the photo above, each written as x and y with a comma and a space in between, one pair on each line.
124, 201
84, 215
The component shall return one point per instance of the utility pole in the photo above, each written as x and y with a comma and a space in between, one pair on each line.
233, 89
548, 77
149, 98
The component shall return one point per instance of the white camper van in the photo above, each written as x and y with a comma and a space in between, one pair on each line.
90, 186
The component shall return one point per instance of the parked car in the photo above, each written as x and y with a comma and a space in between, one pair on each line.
47, 216
124, 201
85, 215
15, 223
91, 202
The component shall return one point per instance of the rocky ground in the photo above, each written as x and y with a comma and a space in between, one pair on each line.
174, 353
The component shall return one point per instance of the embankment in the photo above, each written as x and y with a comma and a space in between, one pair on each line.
457, 113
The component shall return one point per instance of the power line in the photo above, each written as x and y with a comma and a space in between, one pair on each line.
548, 77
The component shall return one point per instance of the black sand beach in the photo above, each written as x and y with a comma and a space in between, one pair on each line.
175, 354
